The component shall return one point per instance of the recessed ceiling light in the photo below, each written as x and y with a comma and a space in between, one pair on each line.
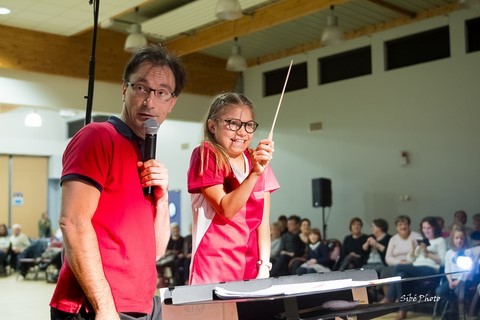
5, 10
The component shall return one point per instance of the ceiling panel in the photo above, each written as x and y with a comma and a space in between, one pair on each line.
170, 20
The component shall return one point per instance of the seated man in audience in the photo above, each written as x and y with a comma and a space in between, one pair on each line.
20, 242
460, 220
291, 246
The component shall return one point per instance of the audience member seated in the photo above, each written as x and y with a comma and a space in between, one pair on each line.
4, 248
474, 239
291, 247
173, 253
460, 220
450, 289
426, 256
305, 226
376, 246
445, 231
19, 242
398, 247
31, 253
282, 223
352, 254
275, 241
317, 254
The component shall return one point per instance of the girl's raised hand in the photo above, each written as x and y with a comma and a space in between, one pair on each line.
262, 155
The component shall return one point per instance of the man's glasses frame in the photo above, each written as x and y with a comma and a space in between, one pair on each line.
161, 95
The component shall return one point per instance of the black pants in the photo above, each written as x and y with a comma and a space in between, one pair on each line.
156, 314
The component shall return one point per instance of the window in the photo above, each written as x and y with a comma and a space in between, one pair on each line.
473, 34
273, 81
418, 48
345, 65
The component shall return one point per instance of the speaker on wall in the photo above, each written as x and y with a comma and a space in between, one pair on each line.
322, 192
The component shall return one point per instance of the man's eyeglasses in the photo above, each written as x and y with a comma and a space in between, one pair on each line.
162, 95
236, 124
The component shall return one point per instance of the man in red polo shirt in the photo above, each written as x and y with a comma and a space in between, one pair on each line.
113, 233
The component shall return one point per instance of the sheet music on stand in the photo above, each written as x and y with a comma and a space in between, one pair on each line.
299, 288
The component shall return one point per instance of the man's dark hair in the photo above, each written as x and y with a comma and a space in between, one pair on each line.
157, 55
294, 217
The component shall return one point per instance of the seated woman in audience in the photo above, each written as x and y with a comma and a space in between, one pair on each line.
450, 289
399, 245
352, 254
4, 248
317, 254
426, 256
376, 246
305, 225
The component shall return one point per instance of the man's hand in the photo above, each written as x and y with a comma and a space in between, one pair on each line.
154, 174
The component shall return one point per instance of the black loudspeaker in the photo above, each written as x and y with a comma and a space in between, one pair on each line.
322, 192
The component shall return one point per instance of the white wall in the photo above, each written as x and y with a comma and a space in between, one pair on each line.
175, 143
430, 110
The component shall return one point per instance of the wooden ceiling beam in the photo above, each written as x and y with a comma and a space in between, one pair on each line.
27, 50
262, 18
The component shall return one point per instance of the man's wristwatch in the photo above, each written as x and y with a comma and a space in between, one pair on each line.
267, 264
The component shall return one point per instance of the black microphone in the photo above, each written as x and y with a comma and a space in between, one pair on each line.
150, 128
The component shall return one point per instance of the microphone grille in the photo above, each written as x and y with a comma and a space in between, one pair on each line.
151, 126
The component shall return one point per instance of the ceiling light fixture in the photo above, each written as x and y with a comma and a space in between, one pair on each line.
228, 9
469, 4
4, 10
236, 62
136, 39
33, 120
332, 34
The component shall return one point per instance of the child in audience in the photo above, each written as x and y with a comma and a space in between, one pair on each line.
230, 185
317, 254
450, 289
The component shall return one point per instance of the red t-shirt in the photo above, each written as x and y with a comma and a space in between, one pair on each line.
123, 221
223, 249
